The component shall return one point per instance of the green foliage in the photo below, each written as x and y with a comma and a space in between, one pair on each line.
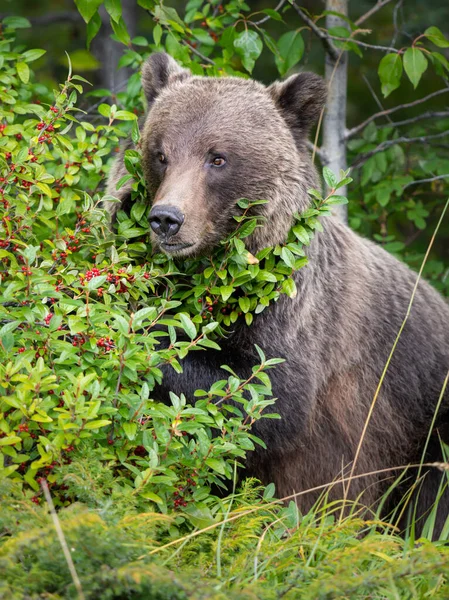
258, 549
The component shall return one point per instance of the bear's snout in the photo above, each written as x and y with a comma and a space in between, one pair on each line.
166, 220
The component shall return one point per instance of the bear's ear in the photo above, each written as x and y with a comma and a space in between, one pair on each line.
158, 71
300, 100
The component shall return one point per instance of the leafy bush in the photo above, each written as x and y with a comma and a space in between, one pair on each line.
263, 550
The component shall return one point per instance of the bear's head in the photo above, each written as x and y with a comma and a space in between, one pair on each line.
208, 142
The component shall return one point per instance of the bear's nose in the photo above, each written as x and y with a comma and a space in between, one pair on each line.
166, 220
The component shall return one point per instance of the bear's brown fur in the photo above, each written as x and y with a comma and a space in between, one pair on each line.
337, 333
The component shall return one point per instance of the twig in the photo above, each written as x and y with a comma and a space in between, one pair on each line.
267, 17
62, 540
395, 22
427, 115
400, 140
198, 53
351, 132
324, 37
374, 95
365, 45
428, 180
380, 4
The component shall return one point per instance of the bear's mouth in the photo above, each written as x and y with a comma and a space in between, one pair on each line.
173, 248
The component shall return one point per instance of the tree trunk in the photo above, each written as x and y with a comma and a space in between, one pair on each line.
334, 122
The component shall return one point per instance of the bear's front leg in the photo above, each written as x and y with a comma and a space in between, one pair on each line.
201, 369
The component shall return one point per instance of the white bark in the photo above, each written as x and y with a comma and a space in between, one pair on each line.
334, 122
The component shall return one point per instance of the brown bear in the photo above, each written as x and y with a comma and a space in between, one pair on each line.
207, 142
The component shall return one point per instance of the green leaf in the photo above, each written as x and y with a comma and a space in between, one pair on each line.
226, 292
390, 72
291, 49
31, 55
157, 34
336, 200
125, 115
329, 177
436, 37
114, 9
93, 27
288, 258
216, 465
130, 430
248, 46
272, 13
415, 64
96, 282
23, 71
289, 288
105, 110
203, 37
148, 313
10, 440
187, 325
442, 60
152, 497
244, 303
266, 276
138, 210
16, 22
96, 424
87, 8
199, 515
269, 491
121, 31
301, 234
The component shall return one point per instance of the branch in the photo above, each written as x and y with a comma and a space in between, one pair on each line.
186, 43
198, 53
374, 95
380, 4
427, 115
400, 140
267, 18
418, 181
364, 45
352, 132
324, 37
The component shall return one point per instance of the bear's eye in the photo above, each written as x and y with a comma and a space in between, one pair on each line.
161, 157
218, 161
